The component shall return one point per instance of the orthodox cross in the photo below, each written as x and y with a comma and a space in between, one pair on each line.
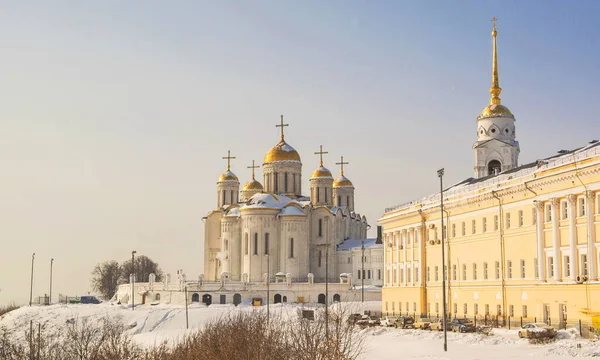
228, 157
282, 125
253, 167
494, 21
342, 163
320, 153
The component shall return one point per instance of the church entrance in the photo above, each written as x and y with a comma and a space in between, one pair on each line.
336, 297
237, 299
277, 298
195, 298
285, 299
207, 299
321, 299
494, 167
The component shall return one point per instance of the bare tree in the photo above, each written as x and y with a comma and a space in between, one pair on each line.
144, 266
105, 278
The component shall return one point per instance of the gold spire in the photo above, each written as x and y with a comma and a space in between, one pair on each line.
320, 153
228, 157
495, 90
253, 167
342, 163
282, 125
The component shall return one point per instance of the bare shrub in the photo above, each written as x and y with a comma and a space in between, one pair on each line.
7, 308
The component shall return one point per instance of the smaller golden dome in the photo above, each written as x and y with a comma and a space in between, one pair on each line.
228, 176
321, 171
281, 152
252, 185
495, 110
342, 181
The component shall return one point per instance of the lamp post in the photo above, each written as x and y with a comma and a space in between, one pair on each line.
440, 173
50, 297
133, 279
31, 283
327, 277
187, 323
268, 282
362, 272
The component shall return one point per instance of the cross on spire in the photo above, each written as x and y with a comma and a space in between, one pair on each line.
282, 125
253, 167
228, 157
342, 163
494, 19
320, 153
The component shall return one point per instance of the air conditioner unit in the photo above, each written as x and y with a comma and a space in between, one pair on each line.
431, 242
432, 226
389, 244
438, 241
401, 247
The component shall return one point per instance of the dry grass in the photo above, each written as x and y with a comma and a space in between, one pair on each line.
7, 308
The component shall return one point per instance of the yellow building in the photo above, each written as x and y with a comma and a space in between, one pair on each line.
520, 241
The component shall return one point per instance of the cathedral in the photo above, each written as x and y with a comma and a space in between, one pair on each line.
275, 229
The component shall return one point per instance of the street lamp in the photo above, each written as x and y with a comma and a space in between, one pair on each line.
31, 283
327, 277
133, 280
440, 173
362, 277
50, 297
268, 282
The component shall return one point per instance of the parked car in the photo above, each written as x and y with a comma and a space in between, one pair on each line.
423, 323
353, 318
89, 300
461, 325
404, 322
388, 321
537, 330
438, 324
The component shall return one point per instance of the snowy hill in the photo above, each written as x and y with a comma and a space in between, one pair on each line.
153, 324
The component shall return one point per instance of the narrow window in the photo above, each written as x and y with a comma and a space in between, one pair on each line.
455, 308
414, 306
536, 270
378, 274
428, 274
359, 272
473, 227
496, 226
401, 276
497, 270
453, 230
548, 212
339, 200
584, 265
437, 308
224, 195
485, 271
581, 206
266, 243
533, 216
465, 309
232, 197
511, 310
484, 224
564, 210
285, 182
255, 243
550, 266
320, 227
522, 269
509, 269
416, 274
369, 274
276, 178
326, 197
319, 261
291, 247
318, 194
520, 218
246, 245
476, 309
474, 271
454, 272
508, 220
487, 309
464, 274
347, 200
446, 272
566, 266
464, 228
226, 245
408, 275
524, 311
436, 272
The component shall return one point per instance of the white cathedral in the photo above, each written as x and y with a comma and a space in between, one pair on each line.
275, 229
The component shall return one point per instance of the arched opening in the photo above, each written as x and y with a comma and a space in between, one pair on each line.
321, 299
494, 167
277, 299
237, 299
207, 299
195, 298
143, 299
285, 299
157, 297
336, 298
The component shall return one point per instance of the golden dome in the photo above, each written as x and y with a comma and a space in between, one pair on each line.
228, 176
252, 185
495, 110
342, 181
321, 171
281, 152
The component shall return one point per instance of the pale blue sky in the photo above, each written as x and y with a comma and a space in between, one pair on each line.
115, 115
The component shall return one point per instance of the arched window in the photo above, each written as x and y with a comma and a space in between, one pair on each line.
494, 167
291, 247
347, 200
224, 193
255, 243
266, 243
232, 197
325, 194
226, 244
318, 194
285, 182
157, 297
336, 297
195, 298
339, 203
276, 183
320, 227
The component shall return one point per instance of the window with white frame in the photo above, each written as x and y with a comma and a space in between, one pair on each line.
454, 272
581, 206
401, 275
475, 309
428, 274
464, 228
533, 216
566, 267
446, 272
453, 230
455, 308
484, 224
408, 275
522, 269
548, 212
473, 227
499, 309
550, 266
509, 269
496, 223
465, 308
464, 270
584, 264
416, 274
521, 218
524, 311
508, 220
436, 273
536, 269
487, 309
485, 271
497, 270
474, 271
564, 210
511, 310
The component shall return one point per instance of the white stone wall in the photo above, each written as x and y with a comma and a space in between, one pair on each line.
344, 196
321, 191
278, 169
227, 192
505, 150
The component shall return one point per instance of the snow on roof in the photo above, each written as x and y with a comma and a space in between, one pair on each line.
291, 210
233, 212
268, 201
357, 243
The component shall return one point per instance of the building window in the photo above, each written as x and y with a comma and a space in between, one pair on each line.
359, 272
499, 309
276, 178
524, 311
487, 309
508, 220
533, 216
246, 245
550, 266
285, 182
548, 212
416, 274
465, 309
414, 306
255, 243
224, 194
455, 308
369, 274
454, 272
428, 274
291, 247
511, 310
320, 227
521, 218
266, 243
408, 275
564, 210
428, 308
581, 207
485, 271
339, 200
464, 228
497, 270
536, 270
348, 200
326, 197
584, 265
446, 272
496, 225
509, 269
453, 230
437, 308
226, 245
319, 260
475, 309
401, 276
474, 271
393, 306
522, 269
464, 270
473, 227
378, 274
407, 307
436, 274
566, 261
484, 224
386, 306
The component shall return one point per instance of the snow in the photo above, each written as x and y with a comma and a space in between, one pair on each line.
291, 210
357, 243
150, 325
266, 200
286, 147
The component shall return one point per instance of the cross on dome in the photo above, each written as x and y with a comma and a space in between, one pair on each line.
228, 157
253, 167
342, 163
282, 125
320, 153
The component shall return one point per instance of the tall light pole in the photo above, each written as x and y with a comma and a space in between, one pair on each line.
362, 272
268, 281
133, 279
31, 283
440, 173
50, 297
327, 277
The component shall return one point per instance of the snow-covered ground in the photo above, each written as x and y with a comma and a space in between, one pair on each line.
153, 324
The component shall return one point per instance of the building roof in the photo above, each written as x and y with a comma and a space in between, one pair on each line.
357, 243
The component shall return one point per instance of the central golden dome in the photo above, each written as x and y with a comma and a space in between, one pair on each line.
321, 171
253, 185
228, 176
495, 110
281, 152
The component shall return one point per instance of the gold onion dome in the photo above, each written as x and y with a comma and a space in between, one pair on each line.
281, 152
252, 185
228, 176
342, 181
320, 172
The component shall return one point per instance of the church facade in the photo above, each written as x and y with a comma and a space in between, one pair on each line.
520, 241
